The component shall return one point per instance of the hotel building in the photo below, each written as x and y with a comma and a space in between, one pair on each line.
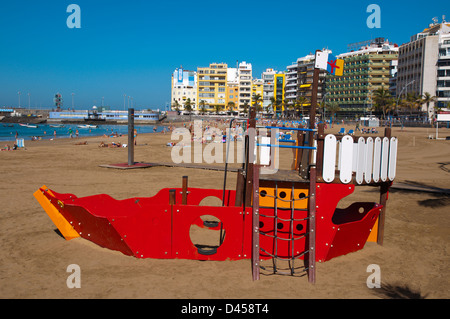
184, 87
365, 71
245, 84
424, 65
212, 85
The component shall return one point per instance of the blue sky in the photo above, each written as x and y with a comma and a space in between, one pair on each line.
132, 47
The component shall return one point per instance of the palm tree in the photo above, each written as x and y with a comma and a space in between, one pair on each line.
176, 105
230, 106
202, 105
188, 105
245, 107
333, 108
427, 99
256, 98
301, 101
217, 107
382, 100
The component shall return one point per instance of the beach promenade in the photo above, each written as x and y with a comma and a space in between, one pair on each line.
34, 257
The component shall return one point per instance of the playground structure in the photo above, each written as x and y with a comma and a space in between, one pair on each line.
290, 216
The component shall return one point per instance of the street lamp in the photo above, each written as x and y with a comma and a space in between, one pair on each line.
404, 87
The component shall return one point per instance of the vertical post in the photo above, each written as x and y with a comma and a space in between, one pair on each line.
320, 146
384, 189
312, 227
255, 224
130, 137
172, 197
240, 186
250, 156
184, 191
315, 89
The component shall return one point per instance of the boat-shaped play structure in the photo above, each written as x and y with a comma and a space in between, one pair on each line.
286, 217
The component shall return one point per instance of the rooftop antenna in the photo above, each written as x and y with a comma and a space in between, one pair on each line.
443, 19
435, 20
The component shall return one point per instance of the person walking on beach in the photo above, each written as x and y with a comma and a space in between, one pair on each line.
54, 134
70, 133
135, 136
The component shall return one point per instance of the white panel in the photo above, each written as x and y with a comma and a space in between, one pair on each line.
368, 160
339, 155
329, 158
392, 158
360, 160
346, 159
384, 159
264, 151
376, 160
315, 151
354, 158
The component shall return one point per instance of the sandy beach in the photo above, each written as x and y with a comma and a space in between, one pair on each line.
34, 258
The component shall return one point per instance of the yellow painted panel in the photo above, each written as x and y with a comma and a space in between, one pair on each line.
374, 233
267, 194
63, 225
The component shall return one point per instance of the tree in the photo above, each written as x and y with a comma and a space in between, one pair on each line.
176, 105
427, 99
301, 101
288, 107
333, 108
230, 106
202, 105
217, 107
383, 100
245, 107
188, 105
256, 99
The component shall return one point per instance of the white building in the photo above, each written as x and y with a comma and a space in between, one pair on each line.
291, 82
268, 78
424, 65
184, 87
245, 84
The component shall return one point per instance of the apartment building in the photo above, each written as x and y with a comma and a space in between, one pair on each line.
278, 91
212, 85
232, 88
305, 75
291, 86
365, 71
184, 87
424, 65
245, 84
257, 89
268, 78
443, 69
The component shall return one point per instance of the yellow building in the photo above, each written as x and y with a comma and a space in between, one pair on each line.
212, 86
257, 88
233, 94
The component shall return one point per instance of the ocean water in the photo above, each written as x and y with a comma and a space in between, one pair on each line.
46, 131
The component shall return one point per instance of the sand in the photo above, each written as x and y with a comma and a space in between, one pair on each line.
34, 258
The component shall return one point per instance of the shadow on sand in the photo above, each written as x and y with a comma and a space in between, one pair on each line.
389, 291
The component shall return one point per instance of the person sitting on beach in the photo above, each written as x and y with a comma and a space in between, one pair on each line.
81, 143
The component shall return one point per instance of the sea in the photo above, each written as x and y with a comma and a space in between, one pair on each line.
8, 131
